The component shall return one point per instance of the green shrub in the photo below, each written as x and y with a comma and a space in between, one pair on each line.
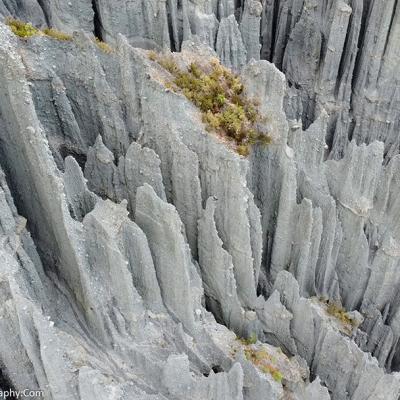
213, 121
22, 29
218, 93
232, 120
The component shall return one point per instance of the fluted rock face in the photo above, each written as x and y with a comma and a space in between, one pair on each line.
348, 66
134, 244
337, 55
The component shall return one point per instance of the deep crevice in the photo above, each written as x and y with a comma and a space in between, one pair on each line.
97, 26
173, 35
80, 157
344, 57
361, 38
215, 368
274, 29
45, 12
239, 4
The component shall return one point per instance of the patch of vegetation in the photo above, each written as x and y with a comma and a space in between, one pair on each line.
55, 34
153, 56
103, 46
340, 313
26, 30
264, 362
169, 64
259, 357
22, 29
219, 94
250, 340
274, 372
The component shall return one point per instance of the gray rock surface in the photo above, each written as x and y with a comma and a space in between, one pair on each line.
329, 50
135, 245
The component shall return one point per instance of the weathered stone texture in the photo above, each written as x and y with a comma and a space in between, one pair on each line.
134, 244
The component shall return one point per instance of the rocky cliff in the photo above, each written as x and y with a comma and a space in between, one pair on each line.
142, 258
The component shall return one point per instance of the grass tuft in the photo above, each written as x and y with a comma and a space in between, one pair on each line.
264, 362
340, 313
55, 34
219, 94
152, 55
103, 46
252, 339
169, 64
334, 309
25, 30
22, 29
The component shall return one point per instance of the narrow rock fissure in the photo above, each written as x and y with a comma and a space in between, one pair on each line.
173, 42
45, 12
274, 29
238, 4
361, 38
343, 59
97, 26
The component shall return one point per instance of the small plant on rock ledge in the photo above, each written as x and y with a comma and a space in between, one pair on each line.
219, 94
22, 29
339, 312
264, 362
55, 34
252, 339
103, 46
336, 311
258, 355
25, 30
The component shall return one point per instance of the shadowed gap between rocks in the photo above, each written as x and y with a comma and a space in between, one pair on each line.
97, 25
